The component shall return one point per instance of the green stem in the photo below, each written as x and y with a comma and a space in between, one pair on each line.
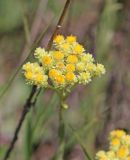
61, 132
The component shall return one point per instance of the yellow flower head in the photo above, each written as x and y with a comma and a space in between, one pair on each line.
60, 65
28, 66
28, 75
87, 58
111, 154
123, 152
72, 59
58, 55
115, 142
84, 78
53, 73
70, 77
78, 49
100, 69
70, 67
126, 139
71, 39
39, 52
117, 134
41, 79
80, 66
65, 46
34, 74
60, 79
46, 60
59, 39
101, 155
91, 67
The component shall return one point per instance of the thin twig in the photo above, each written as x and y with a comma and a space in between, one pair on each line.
59, 24
25, 111
28, 103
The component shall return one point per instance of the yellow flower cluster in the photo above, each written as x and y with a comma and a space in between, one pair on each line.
64, 66
34, 74
119, 148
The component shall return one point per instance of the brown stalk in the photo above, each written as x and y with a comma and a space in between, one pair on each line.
29, 103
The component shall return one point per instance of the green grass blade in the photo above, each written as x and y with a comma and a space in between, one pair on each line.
79, 139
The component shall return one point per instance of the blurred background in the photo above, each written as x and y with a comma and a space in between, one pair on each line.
103, 27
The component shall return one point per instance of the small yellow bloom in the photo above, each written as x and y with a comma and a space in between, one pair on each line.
72, 59
126, 139
117, 133
39, 52
100, 69
80, 66
58, 55
58, 39
91, 67
70, 77
60, 65
87, 58
111, 154
60, 79
84, 78
39, 78
101, 155
28, 66
115, 142
78, 49
123, 152
46, 60
70, 67
65, 46
53, 73
28, 75
71, 39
